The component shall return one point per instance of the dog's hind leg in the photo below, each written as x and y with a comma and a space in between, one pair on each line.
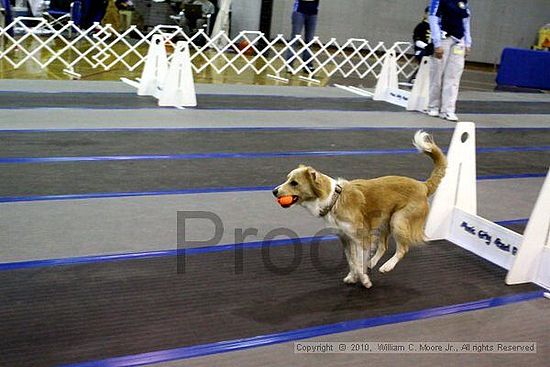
400, 229
407, 228
380, 240
400, 251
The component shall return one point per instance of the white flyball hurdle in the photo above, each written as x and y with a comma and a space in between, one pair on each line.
533, 258
420, 93
387, 87
171, 82
453, 217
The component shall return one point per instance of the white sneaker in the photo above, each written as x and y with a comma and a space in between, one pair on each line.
432, 112
450, 116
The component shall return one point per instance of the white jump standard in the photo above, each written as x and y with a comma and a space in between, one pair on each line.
171, 82
453, 217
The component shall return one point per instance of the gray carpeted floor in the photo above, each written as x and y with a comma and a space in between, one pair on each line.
94, 143
51, 229
23, 100
111, 309
527, 321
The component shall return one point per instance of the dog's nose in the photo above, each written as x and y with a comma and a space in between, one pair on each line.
275, 192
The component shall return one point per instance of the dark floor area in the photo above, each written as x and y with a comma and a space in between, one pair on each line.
57, 315
90, 143
247, 102
94, 177
176, 174
67, 314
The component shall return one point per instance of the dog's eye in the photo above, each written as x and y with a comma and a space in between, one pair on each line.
293, 183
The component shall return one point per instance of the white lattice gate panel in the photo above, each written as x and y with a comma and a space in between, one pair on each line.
103, 47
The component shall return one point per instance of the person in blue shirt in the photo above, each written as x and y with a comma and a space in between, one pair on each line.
304, 16
450, 28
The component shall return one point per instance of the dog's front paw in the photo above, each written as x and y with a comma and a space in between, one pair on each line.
365, 281
350, 278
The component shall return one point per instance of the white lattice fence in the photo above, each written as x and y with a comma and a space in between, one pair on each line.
104, 47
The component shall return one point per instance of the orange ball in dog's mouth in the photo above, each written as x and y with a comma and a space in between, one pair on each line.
287, 201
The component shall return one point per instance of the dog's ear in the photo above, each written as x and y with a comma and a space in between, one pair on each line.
314, 179
313, 175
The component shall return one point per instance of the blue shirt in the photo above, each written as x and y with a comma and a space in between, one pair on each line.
307, 7
451, 17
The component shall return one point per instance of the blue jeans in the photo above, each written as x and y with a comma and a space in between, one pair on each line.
299, 22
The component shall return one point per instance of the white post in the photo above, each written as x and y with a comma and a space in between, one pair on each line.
387, 80
155, 70
179, 86
419, 98
458, 188
533, 258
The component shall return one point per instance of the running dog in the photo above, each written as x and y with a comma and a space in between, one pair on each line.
366, 212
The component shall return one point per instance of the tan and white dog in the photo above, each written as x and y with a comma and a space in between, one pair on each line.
366, 212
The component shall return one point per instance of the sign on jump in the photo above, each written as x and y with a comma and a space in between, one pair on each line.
453, 216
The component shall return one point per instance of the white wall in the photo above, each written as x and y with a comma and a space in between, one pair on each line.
496, 23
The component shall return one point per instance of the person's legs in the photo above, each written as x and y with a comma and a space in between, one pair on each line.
451, 78
8, 16
86, 11
310, 25
413, 76
101, 10
297, 26
437, 70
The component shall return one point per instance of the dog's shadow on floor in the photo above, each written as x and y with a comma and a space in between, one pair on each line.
324, 305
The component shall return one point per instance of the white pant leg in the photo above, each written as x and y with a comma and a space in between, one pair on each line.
451, 77
437, 71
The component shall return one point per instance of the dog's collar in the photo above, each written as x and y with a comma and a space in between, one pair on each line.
337, 191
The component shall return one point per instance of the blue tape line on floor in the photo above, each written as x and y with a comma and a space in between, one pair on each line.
187, 251
162, 253
249, 155
345, 326
251, 128
100, 195
200, 190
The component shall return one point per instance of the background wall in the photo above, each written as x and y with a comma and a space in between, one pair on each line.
245, 15
495, 24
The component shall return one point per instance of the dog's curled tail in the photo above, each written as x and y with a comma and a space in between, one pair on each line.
424, 142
